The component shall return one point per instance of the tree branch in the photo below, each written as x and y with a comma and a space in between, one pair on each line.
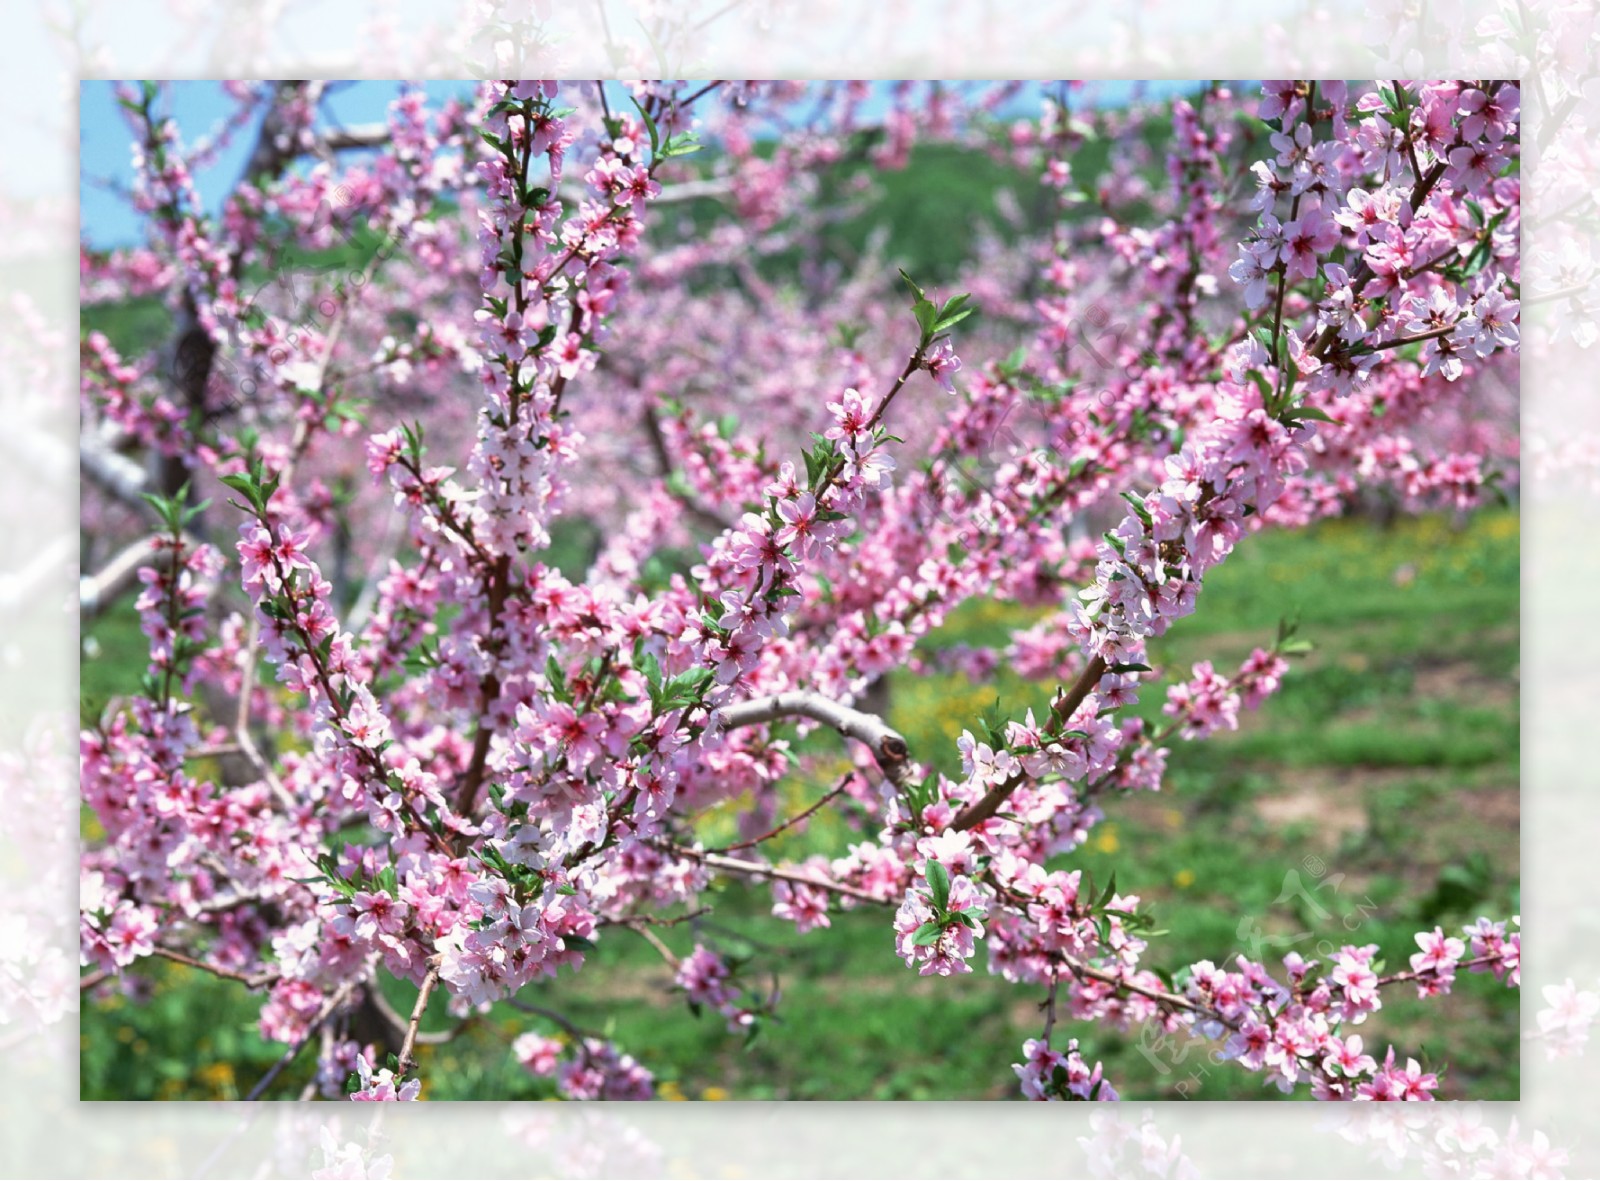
293, 1051
658, 446
1063, 709
97, 592
122, 477
655, 941
367, 135
577, 1033
759, 870
259, 980
408, 1060
799, 818
887, 746
391, 1016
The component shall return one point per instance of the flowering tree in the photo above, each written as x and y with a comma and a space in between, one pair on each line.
476, 762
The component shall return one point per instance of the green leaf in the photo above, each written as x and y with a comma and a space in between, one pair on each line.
685, 143
649, 126
238, 481
993, 721
1109, 892
953, 312
1138, 507
939, 885
927, 935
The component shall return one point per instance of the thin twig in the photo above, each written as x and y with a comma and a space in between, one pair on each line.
656, 942
837, 790
407, 1059
913, 363
658, 447
759, 870
1050, 1005
1405, 113
397, 1023
576, 1032
324, 1053
241, 721
650, 920
699, 94
99, 976
293, 1052
259, 980
1395, 342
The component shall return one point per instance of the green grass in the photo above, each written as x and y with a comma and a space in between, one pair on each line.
1375, 795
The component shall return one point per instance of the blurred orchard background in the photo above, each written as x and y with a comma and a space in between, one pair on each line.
1374, 796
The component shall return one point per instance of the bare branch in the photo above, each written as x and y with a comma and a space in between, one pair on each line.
258, 980
576, 1032
758, 869
122, 477
658, 447
241, 721
392, 1018
325, 1052
1050, 1005
293, 1052
887, 746
799, 818
366, 135
655, 941
408, 1061
1170, 1000
98, 591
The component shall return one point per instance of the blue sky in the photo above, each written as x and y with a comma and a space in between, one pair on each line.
199, 107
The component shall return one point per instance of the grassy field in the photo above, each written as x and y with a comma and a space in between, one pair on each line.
1383, 777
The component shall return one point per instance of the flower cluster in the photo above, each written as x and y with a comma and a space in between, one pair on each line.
711, 981
382, 1085
937, 925
1291, 1031
1049, 1074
